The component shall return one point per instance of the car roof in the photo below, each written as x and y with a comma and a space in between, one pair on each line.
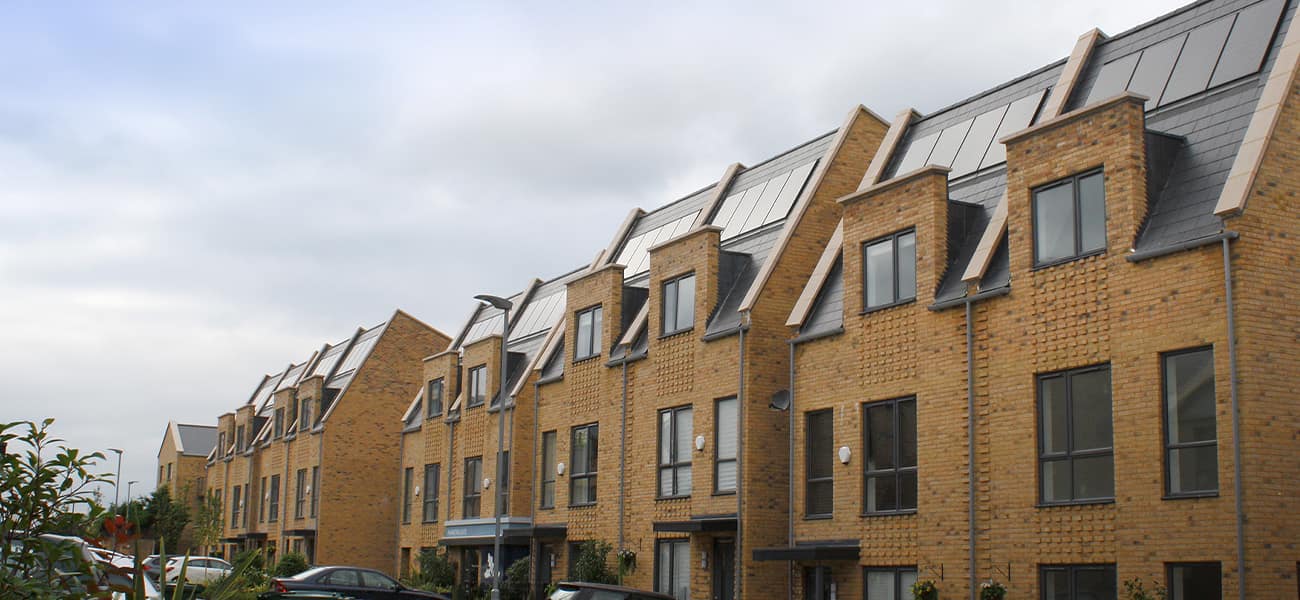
614, 588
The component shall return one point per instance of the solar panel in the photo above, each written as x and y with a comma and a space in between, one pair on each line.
477, 331
1114, 77
1192, 72
727, 209
949, 142
977, 142
537, 316
1154, 68
326, 362
1020, 114
358, 353
636, 253
918, 153
758, 216
684, 224
1251, 35
790, 192
747, 202
291, 378
630, 250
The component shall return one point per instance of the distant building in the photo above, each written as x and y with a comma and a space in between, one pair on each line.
181, 468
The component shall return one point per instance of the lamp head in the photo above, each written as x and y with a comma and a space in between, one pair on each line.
496, 301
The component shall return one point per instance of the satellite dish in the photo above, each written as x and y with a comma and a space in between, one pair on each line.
780, 400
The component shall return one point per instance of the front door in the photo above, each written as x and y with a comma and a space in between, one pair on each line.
545, 561
724, 569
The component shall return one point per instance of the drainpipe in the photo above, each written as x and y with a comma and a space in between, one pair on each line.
622, 466
789, 565
401, 472
1236, 421
740, 458
451, 463
533, 546
315, 492
970, 443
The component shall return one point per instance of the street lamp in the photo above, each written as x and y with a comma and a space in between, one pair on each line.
505, 306
128, 498
118, 479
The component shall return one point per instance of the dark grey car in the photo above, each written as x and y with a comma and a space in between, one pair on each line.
359, 583
568, 590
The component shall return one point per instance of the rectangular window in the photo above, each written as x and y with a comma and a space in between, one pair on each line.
240, 443
473, 487
315, 489
889, 270
673, 568
548, 470
675, 439
304, 417
1070, 218
221, 446
503, 484
278, 426
589, 333
678, 309
582, 466
300, 499
477, 386
1191, 439
1194, 581
892, 583
235, 501
408, 493
1076, 458
261, 506
293, 412
274, 509
430, 491
727, 423
889, 468
1078, 582
819, 493
433, 399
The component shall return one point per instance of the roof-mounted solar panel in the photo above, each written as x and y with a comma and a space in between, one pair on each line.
977, 142
291, 378
1196, 62
1252, 33
482, 328
1154, 68
327, 362
758, 216
945, 150
539, 315
1020, 114
790, 192
1114, 77
636, 251
917, 154
358, 353
762, 204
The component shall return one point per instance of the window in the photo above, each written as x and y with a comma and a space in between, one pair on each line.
433, 400
675, 439
1191, 446
673, 568
820, 490
817, 583
548, 470
889, 270
727, 425
503, 484
261, 506
273, 509
1078, 582
1195, 581
589, 333
300, 499
239, 439
582, 467
1076, 458
169, 471
221, 446
234, 506
431, 473
278, 426
1070, 219
293, 412
408, 480
678, 309
315, 489
304, 417
889, 476
404, 564
894, 583
473, 487
477, 386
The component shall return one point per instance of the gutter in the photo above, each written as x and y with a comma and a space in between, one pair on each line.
1236, 416
993, 293
1222, 236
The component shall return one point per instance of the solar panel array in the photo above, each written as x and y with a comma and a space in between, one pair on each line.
972, 144
636, 252
327, 361
1215, 53
484, 328
360, 350
264, 392
540, 315
765, 203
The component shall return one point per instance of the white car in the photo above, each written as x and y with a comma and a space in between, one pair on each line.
200, 569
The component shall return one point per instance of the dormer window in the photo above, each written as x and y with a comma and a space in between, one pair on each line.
433, 398
678, 304
239, 438
1070, 219
889, 270
278, 423
304, 417
588, 336
477, 386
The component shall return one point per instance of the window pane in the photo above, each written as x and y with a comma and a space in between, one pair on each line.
726, 476
1193, 469
1054, 416
1092, 213
880, 273
1056, 480
670, 306
685, 302
582, 349
1056, 585
664, 580
1054, 223
880, 435
819, 444
1094, 477
880, 585
1189, 396
820, 498
907, 490
882, 493
1195, 582
1091, 418
666, 481
597, 317
1095, 583
727, 429
665, 438
684, 434
907, 266
580, 451
684, 480
681, 570
907, 433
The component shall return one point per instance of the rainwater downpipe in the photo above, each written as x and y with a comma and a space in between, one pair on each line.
401, 472
740, 458
789, 565
1236, 419
451, 462
534, 546
622, 464
970, 443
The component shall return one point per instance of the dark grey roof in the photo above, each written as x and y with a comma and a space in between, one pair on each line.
197, 440
357, 354
736, 273
554, 367
827, 313
970, 209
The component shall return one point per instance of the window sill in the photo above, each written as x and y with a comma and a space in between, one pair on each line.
818, 517
582, 359
670, 498
586, 505
889, 513
434, 416
1075, 503
895, 304
1191, 495
546, 508
724, 493
1069, 259
667, 334
428, 522
469, 407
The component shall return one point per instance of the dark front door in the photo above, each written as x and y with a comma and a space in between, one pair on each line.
545, 561
724, 569
817, 583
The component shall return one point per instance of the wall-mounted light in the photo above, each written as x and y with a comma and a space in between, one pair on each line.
559, 468
417, 490
699, 443
487, 483
845, 453
309, 488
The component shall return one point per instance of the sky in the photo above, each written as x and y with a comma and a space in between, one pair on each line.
193, 195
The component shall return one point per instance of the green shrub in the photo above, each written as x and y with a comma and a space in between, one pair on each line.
592, 563
292, 563
433, 572
515, 584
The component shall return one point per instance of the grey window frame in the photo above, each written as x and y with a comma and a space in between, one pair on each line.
503, 484
300, 501
900, 593
1171, 447
1072, 570
809, 480
675, 293
278, 425
675, 464
304, 414
315, 490
476, 391
408, 495
473, 489
273, 512
1079, 252
1170, 567
261, 505
898, 297
896, 472
673, 544
240, 439
548, 475
593, 450
429, 502
432, 408
1070, 454
718, 460
235, 498
593, 347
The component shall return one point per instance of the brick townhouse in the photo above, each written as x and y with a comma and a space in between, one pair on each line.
182, 468
1052, 339
309, 462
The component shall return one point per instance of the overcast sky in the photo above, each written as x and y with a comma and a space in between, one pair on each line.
192, 196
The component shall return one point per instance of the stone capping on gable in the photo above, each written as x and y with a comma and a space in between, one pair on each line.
876, 170
638, 323
802, 204
1061, 92
551, 343
410, 408
1263, 124
719, 192
892, 183
803, 306
609, 253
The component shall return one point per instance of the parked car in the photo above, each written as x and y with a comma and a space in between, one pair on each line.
117, 559
577, 590
152, 565
65, 560
362, 584
304, 595
122, 581
198, 569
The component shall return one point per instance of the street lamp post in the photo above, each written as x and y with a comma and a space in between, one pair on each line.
128, 498
505, 306
117, 481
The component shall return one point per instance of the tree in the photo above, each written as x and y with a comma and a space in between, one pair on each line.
207, 521
165, 518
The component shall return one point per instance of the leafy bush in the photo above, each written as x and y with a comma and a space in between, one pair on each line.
292, 563
434, 572
515, 584
592, 563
